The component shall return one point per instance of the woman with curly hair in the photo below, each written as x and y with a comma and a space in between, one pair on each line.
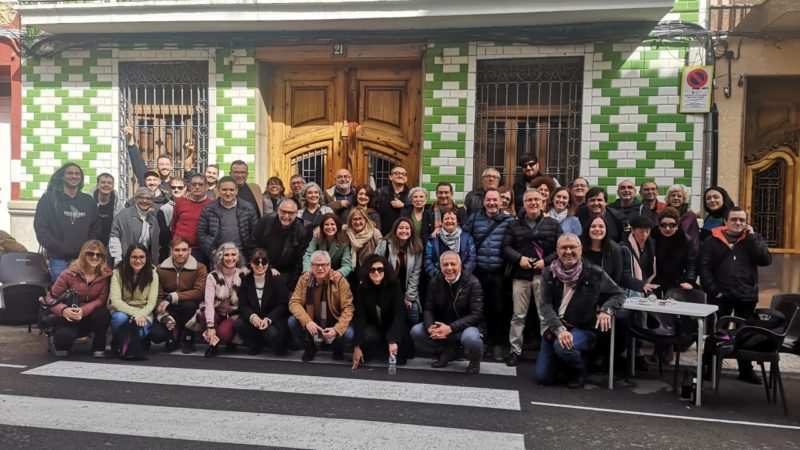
222, 298
678, 197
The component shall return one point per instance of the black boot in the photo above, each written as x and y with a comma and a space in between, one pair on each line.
445, 357
211, 351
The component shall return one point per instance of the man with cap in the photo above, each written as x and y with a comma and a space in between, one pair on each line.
136, 223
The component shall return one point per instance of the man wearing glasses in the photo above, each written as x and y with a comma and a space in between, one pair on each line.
490, 179
391, 199
186, 214
340, 196
728, 267
629, 205
572, 289
164, 216
136, 223
227, 219
285, 239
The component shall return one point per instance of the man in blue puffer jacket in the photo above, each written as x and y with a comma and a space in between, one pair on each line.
488, 226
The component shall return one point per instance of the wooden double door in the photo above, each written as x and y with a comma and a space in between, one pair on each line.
363, 117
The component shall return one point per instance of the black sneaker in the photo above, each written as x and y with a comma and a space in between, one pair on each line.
255, 350
513, 359
338, 354
187, 347
310, 352
211, 351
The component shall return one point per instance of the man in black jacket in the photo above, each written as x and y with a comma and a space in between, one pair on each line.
728, 266
596, 206
285, 239
571, 290
528, 246
227, 219
65, 218
391, 199
453, 315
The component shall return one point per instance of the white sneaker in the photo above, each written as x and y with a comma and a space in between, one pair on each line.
99, 354
60, 353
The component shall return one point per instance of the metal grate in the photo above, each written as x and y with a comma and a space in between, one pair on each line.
311, 165
768, 197
167, 105
529, 106
379, 170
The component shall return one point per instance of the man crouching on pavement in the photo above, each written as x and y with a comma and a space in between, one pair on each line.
453, 313
571, 288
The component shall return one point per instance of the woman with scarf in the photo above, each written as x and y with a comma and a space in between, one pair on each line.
402, 249
641, 254
572, 290
559, 209
333, 240
312, 211
717, 203
363, 236
449, 237
678, 197
222, 298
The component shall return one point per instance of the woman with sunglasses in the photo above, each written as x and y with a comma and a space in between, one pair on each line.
333, 240
134, 290
402, 248
675, 258
90, 277
379, 321
221, 307
678, 197
264, 307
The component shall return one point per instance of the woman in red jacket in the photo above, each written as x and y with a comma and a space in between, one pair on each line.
89, 276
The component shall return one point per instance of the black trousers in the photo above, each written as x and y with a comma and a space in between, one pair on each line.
496, 306
375, 346
276, 335
97, 322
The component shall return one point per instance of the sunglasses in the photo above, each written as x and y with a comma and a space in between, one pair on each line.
177, 188
95, 254
259, 262
667, 225
376, 270
529, 164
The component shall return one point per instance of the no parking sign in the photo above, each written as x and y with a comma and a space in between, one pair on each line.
696, 84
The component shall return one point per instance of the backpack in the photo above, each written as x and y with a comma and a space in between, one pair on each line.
128, 343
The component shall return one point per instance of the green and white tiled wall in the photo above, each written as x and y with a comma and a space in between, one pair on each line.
70, 109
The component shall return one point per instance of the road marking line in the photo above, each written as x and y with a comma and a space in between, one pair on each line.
669, 416
418, 363
13, 366
292, 384
235, 427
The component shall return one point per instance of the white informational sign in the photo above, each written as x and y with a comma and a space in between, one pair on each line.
696, 83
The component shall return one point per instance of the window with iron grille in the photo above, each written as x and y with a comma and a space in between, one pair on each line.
529, 106
311, 165
769, 192
166, 103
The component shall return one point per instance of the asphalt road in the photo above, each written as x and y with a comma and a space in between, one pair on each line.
177, 401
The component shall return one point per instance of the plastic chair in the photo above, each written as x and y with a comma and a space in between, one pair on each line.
791, 344
671, 330
768, 348
23, 279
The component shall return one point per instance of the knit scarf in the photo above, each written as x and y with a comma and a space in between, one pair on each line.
451, 239
637, 255
144, 237
360, 239
568, 276
559, 216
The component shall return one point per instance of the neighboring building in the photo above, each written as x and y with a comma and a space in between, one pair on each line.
10, 106
446, 90
757, 93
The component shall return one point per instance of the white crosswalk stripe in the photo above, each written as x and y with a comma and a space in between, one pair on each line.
239, 427
296, 384
270, 428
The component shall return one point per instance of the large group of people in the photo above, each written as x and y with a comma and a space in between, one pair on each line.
379, 274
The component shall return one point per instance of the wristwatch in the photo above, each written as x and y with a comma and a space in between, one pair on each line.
608, 311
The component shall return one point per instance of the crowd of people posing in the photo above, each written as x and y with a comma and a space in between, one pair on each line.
383, 273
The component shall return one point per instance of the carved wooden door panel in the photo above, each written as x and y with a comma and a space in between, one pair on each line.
360, 118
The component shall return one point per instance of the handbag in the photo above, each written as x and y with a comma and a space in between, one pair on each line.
128, 343
50, 320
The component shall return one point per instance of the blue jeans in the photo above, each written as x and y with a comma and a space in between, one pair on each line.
300, 334
118, 318
56, 267
470, 339
551, 354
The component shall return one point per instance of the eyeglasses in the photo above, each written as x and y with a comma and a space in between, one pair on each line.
259, 262
138, 258
198, 184
376, 269
737, 219
95, 254
529, 164
400, 174
320, 265
177, 188
667, 225
287, 213
144, 199
568, 248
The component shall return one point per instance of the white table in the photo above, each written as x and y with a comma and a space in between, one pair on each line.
698, 310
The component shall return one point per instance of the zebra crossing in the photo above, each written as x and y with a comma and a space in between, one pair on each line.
276, 427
